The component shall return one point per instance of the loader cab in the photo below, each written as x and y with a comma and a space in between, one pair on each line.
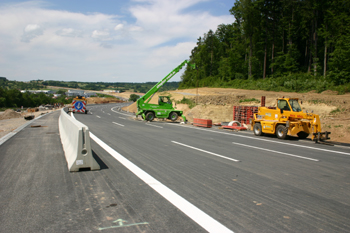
164, 100
294, 104
282, 104
288, 105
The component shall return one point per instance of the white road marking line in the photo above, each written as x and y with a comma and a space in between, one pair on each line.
108, 114
122, 118
262, 139
208, 152
118, 124
98, 116
119, 112
274, 151
197, 215
155, 126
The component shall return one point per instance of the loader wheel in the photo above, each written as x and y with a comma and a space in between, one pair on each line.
149, 116
173, 116
303, 135
281, 132
257, 129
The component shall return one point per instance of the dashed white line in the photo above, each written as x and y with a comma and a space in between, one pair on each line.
118, 124
122, 118
108, 114
155, 126
208, 152
193, 212
98, 116
266, 140
274, 151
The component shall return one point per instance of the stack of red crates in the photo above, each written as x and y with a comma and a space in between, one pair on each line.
242, 114
202, 122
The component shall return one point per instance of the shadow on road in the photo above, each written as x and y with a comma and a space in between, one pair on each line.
99, 161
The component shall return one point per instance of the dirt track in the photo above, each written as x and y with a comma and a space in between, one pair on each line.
217, 104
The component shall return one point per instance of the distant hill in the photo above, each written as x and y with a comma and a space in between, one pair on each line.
95, 86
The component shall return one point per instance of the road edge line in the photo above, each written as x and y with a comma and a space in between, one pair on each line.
197, 215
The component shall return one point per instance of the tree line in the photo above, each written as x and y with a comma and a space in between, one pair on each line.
120, 86
290, 45
13, 98
96, 86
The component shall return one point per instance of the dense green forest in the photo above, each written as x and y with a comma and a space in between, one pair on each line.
281, 45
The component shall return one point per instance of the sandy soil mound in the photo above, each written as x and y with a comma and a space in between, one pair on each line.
98, 100
131, 108
218, 99
216, 113
9, 113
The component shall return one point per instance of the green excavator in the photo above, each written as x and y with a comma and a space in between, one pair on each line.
164, 108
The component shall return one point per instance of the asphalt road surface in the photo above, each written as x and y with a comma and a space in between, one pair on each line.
239, 181
169, 177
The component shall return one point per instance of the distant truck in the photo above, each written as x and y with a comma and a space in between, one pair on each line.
164, 108
287, 119
79, 105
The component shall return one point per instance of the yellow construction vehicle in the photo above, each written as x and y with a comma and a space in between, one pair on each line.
287, 119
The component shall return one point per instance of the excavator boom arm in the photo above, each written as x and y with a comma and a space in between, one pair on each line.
156, 87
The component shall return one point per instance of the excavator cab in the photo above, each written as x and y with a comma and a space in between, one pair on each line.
164, 100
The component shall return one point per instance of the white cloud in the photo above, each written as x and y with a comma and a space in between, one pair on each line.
39, 43
68, 32
166, 17
101, 35
30, 32
119, 27
174, 54
135, 29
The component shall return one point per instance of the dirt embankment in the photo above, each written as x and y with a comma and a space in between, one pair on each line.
98, 100
11, 120
9, 114
217, 104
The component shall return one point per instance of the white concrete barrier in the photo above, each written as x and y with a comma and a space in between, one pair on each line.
75, 138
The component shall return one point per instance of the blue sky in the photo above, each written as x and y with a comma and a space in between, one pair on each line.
102, 40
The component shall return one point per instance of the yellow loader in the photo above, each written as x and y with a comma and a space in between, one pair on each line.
287, 119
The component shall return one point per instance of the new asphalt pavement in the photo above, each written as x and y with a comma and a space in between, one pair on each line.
169, 177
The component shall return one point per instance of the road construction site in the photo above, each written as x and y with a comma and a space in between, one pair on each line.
217, 104
164, 176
